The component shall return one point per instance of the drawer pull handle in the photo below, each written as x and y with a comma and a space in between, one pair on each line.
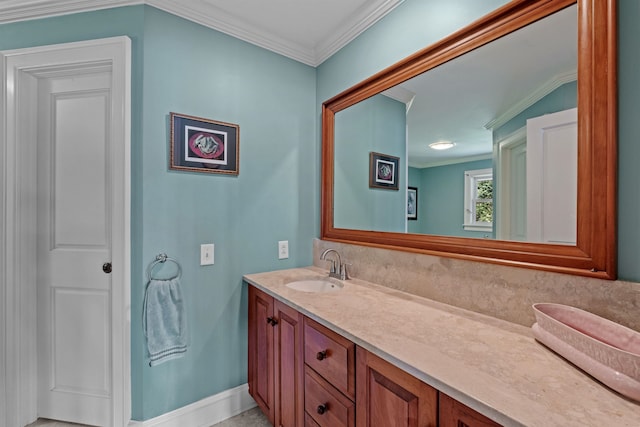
321, 355
323, 408
272, 321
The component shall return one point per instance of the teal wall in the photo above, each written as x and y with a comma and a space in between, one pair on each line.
628, 142
197, 71
441, 199
375, 125
179, 66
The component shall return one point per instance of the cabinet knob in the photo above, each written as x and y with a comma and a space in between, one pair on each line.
322, 408
106, 267
321, 355
272, 321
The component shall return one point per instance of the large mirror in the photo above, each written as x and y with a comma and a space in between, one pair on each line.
525, 100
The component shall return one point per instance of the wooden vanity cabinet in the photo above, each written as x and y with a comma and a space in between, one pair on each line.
388, 396
304, 374
276, 368
455, 414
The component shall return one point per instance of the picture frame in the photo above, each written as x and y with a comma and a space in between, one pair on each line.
204, 145
412, 203
383, 171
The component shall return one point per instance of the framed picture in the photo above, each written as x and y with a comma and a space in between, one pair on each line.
412, 203
383, 171
203, 145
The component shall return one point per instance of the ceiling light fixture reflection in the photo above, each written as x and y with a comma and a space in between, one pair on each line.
441, 145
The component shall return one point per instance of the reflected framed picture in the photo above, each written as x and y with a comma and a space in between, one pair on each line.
203, 145
383, 171
412, 203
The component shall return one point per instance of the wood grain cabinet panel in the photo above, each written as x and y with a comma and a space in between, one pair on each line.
260, 357
310, 422
389, 397
455, 414
276, 365
289, 366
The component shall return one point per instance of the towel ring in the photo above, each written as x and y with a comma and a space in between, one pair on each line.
162, 258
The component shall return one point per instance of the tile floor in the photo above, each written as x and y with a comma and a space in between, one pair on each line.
250, 418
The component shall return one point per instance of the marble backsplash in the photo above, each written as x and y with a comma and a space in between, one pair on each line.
499, 291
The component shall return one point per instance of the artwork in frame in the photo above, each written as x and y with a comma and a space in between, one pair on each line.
203, 145
383, 171
412, 203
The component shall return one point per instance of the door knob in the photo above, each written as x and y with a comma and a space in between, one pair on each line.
106, 267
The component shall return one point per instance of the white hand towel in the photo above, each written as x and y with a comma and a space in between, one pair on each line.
164, 321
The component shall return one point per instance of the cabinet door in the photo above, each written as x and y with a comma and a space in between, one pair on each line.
455, 414
289, 367
386, 396
260, 356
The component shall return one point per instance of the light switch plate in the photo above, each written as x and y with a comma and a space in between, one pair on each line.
283, 249
207, 254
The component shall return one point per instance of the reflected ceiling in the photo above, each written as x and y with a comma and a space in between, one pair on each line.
488, 83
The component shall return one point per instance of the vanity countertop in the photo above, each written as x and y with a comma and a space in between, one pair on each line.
490, 365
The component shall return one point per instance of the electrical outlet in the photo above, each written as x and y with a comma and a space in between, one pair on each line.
283, 249
207, 254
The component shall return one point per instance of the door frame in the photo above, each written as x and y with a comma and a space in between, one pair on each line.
503, 180
19, 72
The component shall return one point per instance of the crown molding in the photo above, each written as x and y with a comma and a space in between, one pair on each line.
219, 20
230, 25
452, 161
18, 10
357, 26
535, 96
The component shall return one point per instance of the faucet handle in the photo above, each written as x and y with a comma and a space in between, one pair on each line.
333, 268
344, 273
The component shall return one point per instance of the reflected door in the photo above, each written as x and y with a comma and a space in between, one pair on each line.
552, 177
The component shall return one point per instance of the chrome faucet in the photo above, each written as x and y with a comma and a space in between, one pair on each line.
337, 270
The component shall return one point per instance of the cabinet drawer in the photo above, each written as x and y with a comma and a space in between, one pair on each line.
330, 355
309, 422
326, 405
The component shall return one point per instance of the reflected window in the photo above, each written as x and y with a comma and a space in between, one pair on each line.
478, 200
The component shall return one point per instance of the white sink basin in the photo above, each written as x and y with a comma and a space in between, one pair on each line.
604, 349
316, 285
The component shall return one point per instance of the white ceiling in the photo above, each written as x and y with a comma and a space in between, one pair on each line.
308, 31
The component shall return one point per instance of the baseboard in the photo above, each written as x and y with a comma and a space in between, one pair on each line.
205, 412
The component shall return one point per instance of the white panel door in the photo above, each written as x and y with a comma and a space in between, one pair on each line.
552, 177
74, 233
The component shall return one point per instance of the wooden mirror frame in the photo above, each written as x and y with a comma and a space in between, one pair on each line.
595, 252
